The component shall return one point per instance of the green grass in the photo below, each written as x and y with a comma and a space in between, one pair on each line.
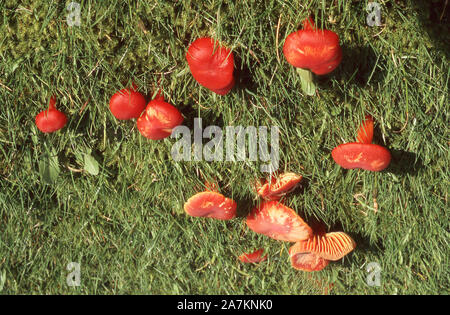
126, 226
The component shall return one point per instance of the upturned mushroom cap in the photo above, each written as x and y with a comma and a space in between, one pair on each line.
158, 120
362, 154
211, 205
313, 49
278, 186
254, 257
303, 259
127, 104
279, 222
211, 65
51, 119
331, 246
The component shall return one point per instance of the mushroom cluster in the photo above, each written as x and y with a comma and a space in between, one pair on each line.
311, 51
312, 250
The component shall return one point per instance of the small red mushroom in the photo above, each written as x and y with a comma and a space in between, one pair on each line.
254, 257
312, 50
362, 154
277, 221
211, 205
127, 104
211, 65
158, 119
278, 186
50, 120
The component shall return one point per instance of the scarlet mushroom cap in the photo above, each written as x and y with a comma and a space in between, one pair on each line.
303, 259
313, 49
362, 154
50, 120
158, 119
371, 157
254, 257
127, 104
211, 65
211, 205
278, 186
277, 221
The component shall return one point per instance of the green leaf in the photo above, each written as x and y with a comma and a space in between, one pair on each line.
49, 168
90, 164
307, 81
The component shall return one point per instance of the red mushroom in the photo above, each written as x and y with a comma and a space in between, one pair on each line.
312, 50
362, 154
277, 221
254, 257
127, 104
211, 65
158, 119
303, 259
278, 186
315, 253
330, 246
211, 205
50, 120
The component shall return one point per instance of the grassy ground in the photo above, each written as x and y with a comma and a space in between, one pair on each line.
126, 225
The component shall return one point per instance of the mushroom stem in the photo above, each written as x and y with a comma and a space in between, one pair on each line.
307, 81
159, 96
51, 103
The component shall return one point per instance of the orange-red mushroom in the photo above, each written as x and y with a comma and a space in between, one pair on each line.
211, 204
278, 186
127, 103
313, 49
211, 65
277, 221
331, 246
315, 253
51, 119
362, 154
158, 119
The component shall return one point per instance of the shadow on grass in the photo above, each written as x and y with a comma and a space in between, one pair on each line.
363, 245
245, 206
404, 162
435, 21
243, 76
359, 66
